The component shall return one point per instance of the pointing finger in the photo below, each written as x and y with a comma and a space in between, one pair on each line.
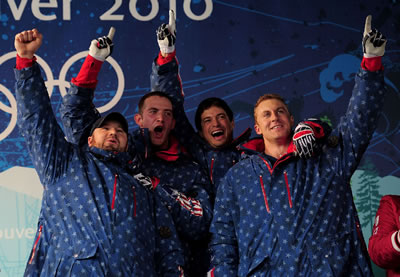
367, 28
171, 20
111, 33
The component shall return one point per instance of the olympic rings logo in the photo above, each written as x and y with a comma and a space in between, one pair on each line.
51, 83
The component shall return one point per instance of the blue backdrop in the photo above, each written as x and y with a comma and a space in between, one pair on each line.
308, 51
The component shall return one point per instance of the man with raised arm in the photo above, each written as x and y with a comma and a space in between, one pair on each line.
213, 145
277, 215
176, 180
96, 218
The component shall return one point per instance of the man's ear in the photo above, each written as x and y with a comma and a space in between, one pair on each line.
139, 120
90, 141
257, 129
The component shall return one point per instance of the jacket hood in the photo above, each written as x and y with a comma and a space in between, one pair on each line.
256, 146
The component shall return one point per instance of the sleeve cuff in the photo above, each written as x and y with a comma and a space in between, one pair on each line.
163, 60
372, 64
87, 76
22, 63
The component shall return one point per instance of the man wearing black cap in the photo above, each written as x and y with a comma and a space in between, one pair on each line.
96, 218
177, 181
110, 133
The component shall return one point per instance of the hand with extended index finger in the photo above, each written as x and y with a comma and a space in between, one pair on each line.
374, 42
367, 27
166, 35
171, 22
102, 47
27, 43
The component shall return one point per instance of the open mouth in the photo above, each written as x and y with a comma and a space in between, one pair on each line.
217, 133
158, 129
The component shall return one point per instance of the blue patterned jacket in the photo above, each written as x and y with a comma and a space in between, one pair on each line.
184, 188
215, 162
296, 217
96, 219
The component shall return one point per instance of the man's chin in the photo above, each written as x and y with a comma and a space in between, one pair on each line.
158, 142
218, 143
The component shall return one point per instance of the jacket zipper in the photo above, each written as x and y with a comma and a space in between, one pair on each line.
211, 170
36, 243
134, 201
264, 194
288, 189
114, 192
286, 181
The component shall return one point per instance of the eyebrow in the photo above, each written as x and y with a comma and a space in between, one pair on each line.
224, 114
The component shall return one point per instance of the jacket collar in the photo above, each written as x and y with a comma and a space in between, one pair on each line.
173, 152
256, 146
122, 158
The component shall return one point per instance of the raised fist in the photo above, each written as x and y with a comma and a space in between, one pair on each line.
27, 43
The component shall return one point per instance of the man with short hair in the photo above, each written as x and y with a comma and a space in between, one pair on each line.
214, 121
184, 187
213, 145
96, 218
177, 181
278, 215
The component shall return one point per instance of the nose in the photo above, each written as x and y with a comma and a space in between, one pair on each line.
274, 116
160, 117
112, 131
215, 122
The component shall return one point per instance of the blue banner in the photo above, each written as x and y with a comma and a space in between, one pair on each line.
307, 51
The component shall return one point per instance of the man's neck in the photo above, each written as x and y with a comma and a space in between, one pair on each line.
276, 149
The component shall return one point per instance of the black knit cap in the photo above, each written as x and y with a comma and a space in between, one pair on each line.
114, 116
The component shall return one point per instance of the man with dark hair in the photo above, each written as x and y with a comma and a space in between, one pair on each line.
177, 181
96, 218
211, 110
277, 215
213, 146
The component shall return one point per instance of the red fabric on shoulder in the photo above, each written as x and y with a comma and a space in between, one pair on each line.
256, 144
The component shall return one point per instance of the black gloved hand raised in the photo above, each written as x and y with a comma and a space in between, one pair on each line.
166, 35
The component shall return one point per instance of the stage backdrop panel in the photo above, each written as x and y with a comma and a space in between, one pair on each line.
308, 51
